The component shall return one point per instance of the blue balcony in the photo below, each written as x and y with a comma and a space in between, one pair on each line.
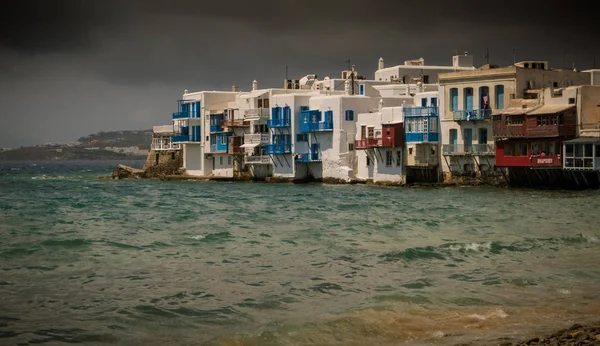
472, 115
181, 138
181, 115
316, 126
278, 149
216, 128
422, 137
187, 110
278, 123
308, 157
420, 111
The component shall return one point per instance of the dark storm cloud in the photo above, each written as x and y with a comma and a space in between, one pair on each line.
151, 50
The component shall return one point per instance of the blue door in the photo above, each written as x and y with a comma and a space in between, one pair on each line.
468, 139
454, 140
468, 99
329, 116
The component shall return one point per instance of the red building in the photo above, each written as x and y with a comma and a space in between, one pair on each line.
532, 137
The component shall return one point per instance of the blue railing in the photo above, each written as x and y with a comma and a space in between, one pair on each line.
422, 137
186, 114
472, 115
181, 138
278, 149
308, 157
420, 111
316, 126
216, 128
281, 122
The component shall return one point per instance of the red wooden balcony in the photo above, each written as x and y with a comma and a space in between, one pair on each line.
367, 143
393, 136
526, 153
540, 122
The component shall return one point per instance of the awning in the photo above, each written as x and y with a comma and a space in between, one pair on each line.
254, 94
550, 109
249, 145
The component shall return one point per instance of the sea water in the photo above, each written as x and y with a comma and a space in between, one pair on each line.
139, 262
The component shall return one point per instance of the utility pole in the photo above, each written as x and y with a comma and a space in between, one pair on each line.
514, 56
352, 80
487, 55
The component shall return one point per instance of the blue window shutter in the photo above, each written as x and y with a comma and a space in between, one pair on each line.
499, 96
361, 89
274, 113
454, 99
423, 102
352, 115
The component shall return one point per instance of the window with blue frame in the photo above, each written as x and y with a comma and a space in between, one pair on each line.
349, 115
454, 99
434, 102
361, 89
423, 102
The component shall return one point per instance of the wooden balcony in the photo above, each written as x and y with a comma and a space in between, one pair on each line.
235, 123
538, 122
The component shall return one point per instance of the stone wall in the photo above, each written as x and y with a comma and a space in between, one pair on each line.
163, 162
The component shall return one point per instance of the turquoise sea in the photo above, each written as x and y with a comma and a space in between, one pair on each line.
149, 262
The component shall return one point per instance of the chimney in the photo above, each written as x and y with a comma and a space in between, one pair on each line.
347, 86
254, 85
234, 88
381, 65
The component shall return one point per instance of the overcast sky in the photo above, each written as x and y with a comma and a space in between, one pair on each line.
71, 68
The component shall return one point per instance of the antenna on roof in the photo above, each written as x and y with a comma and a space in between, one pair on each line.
487, 55
514, 56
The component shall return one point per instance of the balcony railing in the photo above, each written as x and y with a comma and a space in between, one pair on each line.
235, 123
257, 138
181, 138
165, 145
425, 161
466, 149
366, 143
186, 114
216, 128
256, 113
278, 149
278, 123
422, 137
257, 160
316, 126
308, 157
420, 111
162, 129
472, 115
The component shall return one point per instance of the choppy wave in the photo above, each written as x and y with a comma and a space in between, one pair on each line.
156, 262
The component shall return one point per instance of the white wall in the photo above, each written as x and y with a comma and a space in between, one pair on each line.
192, 157
223, 165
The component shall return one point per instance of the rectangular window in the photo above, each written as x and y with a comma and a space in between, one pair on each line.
454, 99
388, 158
499, 96
433, 125
468, 99
569, 150
350, 115
361, 89
371, 132
423, 102
302, 137
229, 160
266, 103
368, 161
223, 140
221, 160
508, 149
524, 149
213, 139
588, 150
597, 150
571, 100
363, 132
434, 102
260, 103
350, 146
398, 158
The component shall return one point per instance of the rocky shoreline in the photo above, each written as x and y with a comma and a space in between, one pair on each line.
573, 336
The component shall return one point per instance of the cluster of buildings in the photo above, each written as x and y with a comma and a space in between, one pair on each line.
525, 124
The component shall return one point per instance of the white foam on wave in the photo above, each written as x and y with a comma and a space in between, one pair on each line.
471, 247
198, 237
563, 291
589, 238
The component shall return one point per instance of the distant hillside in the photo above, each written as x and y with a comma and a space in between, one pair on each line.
140, 139
114, 145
